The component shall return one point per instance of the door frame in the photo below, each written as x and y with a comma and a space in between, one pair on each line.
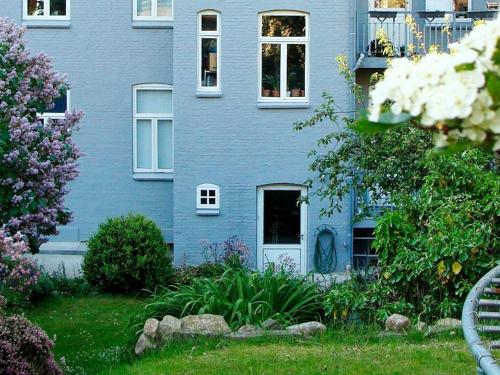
303, 224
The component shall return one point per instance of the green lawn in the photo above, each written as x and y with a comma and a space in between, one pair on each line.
91, 335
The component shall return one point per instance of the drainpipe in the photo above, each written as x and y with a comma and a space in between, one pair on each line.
360, 61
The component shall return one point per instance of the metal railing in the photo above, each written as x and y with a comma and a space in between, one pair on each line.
481, 314
435, 28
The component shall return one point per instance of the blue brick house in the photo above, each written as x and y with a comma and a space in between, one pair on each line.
190, 105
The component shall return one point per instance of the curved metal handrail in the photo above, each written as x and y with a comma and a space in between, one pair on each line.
470, 315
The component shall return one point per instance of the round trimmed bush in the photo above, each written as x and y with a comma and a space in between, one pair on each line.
127, 254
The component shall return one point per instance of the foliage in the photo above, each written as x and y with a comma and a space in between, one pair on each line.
232, 252
126, 254
36, 160
439, 243
58, 283
186, 274
241, 296
386, 163
456, 94
18, 274
24, 347
362, 300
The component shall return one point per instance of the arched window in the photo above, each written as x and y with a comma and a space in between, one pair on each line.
284, 56
209, 50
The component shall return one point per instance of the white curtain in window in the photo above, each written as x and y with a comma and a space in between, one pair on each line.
144, 140
154, 101
165, 142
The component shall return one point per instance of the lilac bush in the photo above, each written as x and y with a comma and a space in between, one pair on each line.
24, 347
37, 160
17, 272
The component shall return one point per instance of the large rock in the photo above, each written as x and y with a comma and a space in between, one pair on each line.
309, 328
205, 324
271, 324
248, 328
168, 327
151, 328
397, 323
446, 324
144, 343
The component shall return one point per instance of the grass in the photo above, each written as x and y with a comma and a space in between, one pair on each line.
91, 335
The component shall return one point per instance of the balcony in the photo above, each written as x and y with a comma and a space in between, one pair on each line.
430, 29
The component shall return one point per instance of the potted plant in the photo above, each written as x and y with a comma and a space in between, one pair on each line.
294, 85
272, 81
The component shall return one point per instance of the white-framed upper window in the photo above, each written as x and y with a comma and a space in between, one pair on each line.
61, 106
153, 10
207, 197
46, 9
209, 32
449, 5
153, 128
283, 56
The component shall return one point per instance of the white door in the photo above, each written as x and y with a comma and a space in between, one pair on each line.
282, 227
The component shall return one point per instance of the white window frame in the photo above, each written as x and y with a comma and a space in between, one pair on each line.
154, 118
46, 11
208, 188
284, 42
209, 35
154, 12
46, 116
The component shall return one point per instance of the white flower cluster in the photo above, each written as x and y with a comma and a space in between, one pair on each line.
446, 91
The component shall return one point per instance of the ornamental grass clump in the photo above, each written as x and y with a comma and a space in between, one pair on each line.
241, 296
37, 159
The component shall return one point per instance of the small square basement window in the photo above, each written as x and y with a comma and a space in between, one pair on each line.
207, 200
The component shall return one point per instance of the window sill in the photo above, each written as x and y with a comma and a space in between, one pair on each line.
153, 176
153, 24
283, 104
208, 212
208, 94
47, 24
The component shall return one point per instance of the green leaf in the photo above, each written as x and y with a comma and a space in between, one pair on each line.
365, 126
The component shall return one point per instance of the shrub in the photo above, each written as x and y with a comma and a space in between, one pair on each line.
18, 274
37, 160
24, 347
439, 243
241, 296
126, 254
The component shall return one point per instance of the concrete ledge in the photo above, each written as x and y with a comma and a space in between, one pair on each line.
160, 176
153, 24
208, 94
47, 24
283, 105
63, 248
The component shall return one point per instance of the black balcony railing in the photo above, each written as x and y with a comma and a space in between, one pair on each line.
430, 28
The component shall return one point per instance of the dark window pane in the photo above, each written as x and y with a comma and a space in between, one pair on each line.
363, 252
209, 22
284, 26
281, 217
211, 193
57, 7
35, 7
209, 62
271, 58
203, 200
211, 201
296, 63
60, 105
203, 193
